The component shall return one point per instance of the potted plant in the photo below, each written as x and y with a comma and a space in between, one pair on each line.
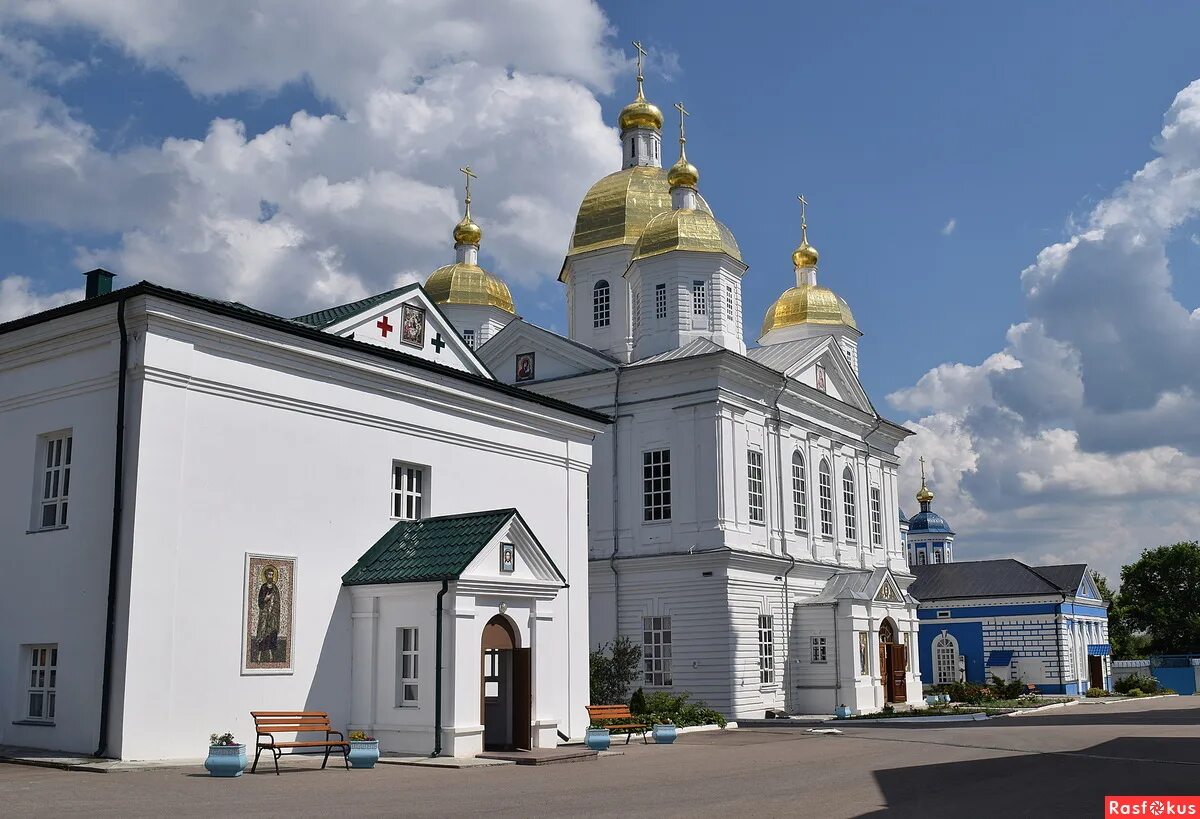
364, 750
597, 738
842, 711
665, 732
226, 756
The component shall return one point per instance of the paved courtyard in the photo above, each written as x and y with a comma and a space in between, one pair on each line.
1058, 763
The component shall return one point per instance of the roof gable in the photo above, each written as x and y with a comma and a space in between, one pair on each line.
887, 591
978, 578
1071, 578
554, 356
405, 319
800, 359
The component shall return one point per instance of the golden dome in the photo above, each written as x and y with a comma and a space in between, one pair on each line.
924, 495
462, 283
805, 255
683, 174
641, 113
807, 304
686, 229
466, 232
616, 209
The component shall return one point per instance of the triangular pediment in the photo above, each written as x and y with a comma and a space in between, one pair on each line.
513, 555
1087, 589
408, 321
523, 352
887, 590
827, 369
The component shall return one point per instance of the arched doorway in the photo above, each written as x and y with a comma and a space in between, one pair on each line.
506, 693
893, 662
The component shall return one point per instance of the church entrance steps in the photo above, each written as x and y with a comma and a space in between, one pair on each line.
542, 756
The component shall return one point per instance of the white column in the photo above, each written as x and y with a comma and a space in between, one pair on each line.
363, 665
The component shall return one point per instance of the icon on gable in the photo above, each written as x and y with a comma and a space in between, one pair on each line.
508, 562
887, 592
820, 378
412, 325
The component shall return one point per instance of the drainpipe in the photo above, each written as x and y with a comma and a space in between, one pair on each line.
437, 677
616, 506
114, 557
837, 663
1058, 641
787, 621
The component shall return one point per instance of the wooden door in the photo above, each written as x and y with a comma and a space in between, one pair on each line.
1096, 671
897, 687
522, 698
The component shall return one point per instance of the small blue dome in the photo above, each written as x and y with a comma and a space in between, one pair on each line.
903, 517
928, 522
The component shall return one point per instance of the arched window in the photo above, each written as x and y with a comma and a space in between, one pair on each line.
920, 558
848, 506
799, 494
945, 659
825, 489
601, 304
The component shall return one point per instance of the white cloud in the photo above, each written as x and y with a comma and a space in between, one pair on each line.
1079, 440
18, 298
320, 209
949, 227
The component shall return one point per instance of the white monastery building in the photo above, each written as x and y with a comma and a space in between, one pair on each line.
743, 508
209, 510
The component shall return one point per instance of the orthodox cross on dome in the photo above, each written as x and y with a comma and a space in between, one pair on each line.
641, 52
683, 112
384, 326
803, 218
469, 174
922, 460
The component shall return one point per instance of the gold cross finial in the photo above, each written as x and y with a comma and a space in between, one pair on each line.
469, 174
641, 52
922, 460
683, 112
803, 217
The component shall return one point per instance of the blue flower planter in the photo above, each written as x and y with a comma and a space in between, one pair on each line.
842, 711
226, 760
933, 699
665, 734
598, 739
945, 698
364, 753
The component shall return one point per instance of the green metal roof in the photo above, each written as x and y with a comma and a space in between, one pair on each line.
332, 315
419, 551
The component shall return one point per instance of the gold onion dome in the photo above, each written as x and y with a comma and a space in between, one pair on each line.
683, 174
466, 232
686, 229
924, 495
805, 255
808, 304
463, 283
641, 113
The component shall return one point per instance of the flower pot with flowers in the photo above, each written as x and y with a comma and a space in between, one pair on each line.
226, 756
364, 750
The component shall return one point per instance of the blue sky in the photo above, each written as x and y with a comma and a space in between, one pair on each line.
941, 148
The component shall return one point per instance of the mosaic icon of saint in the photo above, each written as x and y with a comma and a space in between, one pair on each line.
266, 632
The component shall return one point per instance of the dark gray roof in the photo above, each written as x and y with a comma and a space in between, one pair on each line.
979, 578
1067, 576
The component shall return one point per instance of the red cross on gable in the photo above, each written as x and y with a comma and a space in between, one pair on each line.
384, 326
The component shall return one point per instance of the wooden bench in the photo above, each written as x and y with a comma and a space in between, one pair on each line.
605, 714
269, 723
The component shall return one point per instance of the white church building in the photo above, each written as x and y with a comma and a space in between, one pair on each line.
208, 510
743, 507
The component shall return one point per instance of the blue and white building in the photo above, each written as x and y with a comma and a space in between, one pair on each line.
1045, 625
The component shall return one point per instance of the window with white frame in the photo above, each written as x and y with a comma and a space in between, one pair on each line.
656, 485
601, 304
43, 673
407, 671
660, 301
825, 491
921, 558
849, 511
754, 473
656, 651
799, 494
819, 650
409, 487
876, 517
945, 659
54, 480
469, 338
700, 298
766, 648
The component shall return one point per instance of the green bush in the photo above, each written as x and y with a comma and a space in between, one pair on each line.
1007, 690
966, 693
613, 668
1135, 692
1096, 692
1144, 684
659, 707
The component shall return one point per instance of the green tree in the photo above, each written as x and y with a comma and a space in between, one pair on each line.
1160, 595
614, 666
1126, 643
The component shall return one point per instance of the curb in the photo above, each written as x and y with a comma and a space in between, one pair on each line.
1112, 701
1023, 711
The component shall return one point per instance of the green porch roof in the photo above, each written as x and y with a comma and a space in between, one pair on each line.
441, 548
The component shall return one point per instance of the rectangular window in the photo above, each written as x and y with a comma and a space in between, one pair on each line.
469, 338
408, 491
407, 670
700, 298
656, 485
43, 673
766, 648
826, 498
799, 495
660, 301
656, 650
943, 615
54, 480
849, 513
754, 471
818, 650
601, 305
876, 517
